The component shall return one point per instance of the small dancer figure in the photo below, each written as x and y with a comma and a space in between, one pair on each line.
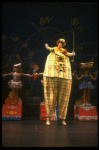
86, 85
16, 83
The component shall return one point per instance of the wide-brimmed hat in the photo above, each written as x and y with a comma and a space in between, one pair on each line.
61, 40
16, 65
86, 65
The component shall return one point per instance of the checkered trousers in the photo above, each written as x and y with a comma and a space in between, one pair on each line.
56, 88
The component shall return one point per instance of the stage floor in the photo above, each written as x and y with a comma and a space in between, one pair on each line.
35, 133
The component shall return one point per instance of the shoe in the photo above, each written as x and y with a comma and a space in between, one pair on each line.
48, 122
63, 123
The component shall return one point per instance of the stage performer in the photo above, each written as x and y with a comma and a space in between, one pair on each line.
86, 85
16, 83
57, 80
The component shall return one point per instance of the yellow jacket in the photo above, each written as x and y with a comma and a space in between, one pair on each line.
57, 64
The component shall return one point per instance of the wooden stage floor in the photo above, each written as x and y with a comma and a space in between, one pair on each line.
35, 133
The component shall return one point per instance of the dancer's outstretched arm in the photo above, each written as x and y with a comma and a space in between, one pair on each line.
28, 75
8, 74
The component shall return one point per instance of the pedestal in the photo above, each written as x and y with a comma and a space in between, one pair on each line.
11, 112
85, 113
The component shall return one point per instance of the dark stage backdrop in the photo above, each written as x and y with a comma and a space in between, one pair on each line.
27, 26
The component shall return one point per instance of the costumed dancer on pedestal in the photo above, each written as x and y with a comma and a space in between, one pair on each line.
57, 80
86, 85
35, 75
16, 83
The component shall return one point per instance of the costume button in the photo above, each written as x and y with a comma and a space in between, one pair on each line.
60, 58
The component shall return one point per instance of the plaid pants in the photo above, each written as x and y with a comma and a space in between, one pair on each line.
56, 88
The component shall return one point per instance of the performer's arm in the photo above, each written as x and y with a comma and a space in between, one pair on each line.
93, 78
40, 73
49, 48
79, 78
28, 75
59, 54
63, 54
4, 75
52, 50
70, 54
37, 74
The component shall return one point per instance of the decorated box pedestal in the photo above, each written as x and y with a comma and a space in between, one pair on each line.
43, 113
85, 113
11, 112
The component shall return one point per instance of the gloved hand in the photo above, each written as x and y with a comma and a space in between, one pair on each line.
46, 45
73, 53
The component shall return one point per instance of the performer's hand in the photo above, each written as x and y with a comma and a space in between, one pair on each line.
46, 45
74, 73
42, 81
32, 75
4, 75
73, 53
